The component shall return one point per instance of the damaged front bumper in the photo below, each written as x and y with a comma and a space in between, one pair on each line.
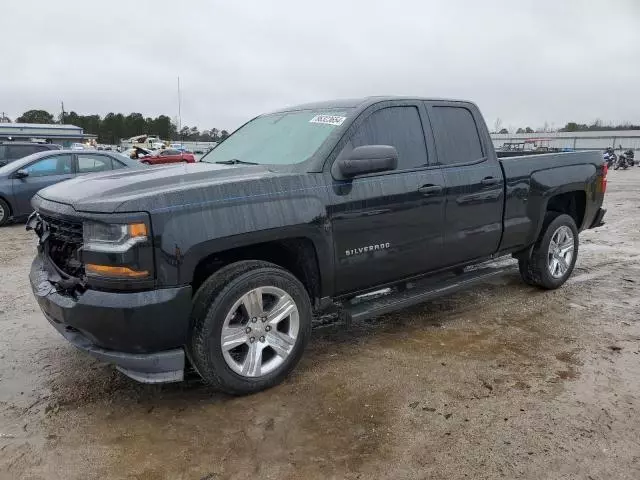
142, 333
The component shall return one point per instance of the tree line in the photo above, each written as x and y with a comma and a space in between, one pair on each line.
114, 127
596, 126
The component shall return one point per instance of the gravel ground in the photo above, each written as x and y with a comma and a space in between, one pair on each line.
501, 381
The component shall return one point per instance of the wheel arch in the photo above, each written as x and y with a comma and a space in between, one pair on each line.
6, 200
573, 203
298, 255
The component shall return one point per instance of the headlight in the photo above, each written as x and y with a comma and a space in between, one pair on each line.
117, 251
112, 238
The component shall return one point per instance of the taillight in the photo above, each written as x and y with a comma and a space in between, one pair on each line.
603, 180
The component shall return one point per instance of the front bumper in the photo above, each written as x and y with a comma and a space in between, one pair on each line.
142, 333
598, 220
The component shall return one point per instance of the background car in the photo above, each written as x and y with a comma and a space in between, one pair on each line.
11, 151
21, 179
136, 153
168, 156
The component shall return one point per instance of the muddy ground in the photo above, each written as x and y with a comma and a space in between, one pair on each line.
501, 381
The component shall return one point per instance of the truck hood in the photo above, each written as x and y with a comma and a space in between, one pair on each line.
148, 188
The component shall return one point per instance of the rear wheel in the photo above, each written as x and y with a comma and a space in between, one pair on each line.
554, 254
251, 322
5, 212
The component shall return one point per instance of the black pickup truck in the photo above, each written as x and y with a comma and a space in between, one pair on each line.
224, 264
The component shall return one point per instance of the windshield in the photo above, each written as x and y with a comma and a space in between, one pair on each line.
278, 139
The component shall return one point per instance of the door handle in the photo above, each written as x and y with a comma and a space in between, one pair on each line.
490, 181
428, 190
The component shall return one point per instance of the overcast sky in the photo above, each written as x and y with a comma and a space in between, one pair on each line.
525, 62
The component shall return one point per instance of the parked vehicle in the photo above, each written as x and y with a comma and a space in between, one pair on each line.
11, 151
78, 146
137, 153
300, 212
168, 155
609, 157
621, 162
150, 142
20, 180
629, 157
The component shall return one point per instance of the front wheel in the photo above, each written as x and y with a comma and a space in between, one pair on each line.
251, 322
5, 212
554, 254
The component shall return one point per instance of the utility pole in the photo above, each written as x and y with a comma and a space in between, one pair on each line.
179, 107
62, 117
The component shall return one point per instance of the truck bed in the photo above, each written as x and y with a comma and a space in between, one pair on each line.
530, 180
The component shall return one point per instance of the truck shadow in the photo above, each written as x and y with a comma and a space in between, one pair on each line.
81, 380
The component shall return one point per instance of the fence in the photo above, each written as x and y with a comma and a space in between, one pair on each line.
620, 140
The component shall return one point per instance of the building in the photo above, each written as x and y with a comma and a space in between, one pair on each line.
63, 135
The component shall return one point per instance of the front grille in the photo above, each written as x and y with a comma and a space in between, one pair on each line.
64, 243
64, 230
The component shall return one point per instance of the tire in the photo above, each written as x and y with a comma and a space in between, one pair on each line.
537, 269
5, 212
218, 304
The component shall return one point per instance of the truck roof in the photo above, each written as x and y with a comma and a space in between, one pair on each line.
360, 103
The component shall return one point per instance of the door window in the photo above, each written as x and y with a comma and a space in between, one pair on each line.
399, 127
457, 138
55, 165
14, 152
93, 163
117, 164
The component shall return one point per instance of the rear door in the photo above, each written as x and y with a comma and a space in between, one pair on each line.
92, 162
473, 179
41, 173
388, 226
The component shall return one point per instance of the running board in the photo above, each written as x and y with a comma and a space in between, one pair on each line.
362, 308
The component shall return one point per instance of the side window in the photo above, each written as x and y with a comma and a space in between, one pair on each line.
14, 152
457, 138
93, 163
56, 165
399, 127
116, 164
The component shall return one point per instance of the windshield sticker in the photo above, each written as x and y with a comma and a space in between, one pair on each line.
328, 119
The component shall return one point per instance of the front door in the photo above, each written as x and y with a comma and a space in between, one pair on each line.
388, 226
40, 174
474, 182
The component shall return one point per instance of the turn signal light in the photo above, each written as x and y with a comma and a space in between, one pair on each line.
115, 272
137, 230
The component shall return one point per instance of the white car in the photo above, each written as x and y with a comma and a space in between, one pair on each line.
77, 146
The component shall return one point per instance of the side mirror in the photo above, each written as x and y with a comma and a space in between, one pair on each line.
368, 159
21, 173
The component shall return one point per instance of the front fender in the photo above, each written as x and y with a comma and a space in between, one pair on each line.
184, 237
